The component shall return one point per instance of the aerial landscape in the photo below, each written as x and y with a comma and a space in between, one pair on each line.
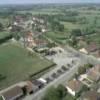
49, 50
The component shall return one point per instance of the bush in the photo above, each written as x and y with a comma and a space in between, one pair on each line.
55, 93
81, 70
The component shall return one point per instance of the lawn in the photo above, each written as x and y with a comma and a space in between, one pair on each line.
69, 26
59, 37
17, 64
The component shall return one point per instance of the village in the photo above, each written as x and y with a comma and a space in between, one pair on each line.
86, 78
77, 70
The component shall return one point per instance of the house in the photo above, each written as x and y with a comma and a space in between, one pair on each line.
83, 78
97, 68
97, 53
18, 18
43, 30
29, 40
74, 86
92, 47
90, 95
91, 76
34, 18
94, 73
41, 42
13, 93
41, 45
83, 50
30, 87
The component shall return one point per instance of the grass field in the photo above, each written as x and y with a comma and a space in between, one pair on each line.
16, 64
4, 21
59, 37
36, 12
69, 26
90, 15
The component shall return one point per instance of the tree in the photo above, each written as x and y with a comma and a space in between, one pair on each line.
81, 70
62, 91
61, 27
51, 94
50, 45
88, 66
73, 41
82, 20
76, 32
55, 93
1, 27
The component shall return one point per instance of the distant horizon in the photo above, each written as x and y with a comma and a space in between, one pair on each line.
47, 3
22, 2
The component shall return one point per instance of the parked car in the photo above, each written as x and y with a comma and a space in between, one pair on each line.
38, 83
42, 81
54, 75
48, 79
59, 71
69, 65
64, 68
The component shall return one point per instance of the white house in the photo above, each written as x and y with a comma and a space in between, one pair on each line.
83, 50
73, 87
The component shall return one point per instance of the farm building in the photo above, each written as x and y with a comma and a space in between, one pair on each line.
74, 86
12, 94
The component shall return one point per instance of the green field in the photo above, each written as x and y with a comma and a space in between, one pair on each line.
92, 21
69, 26
4, 21
59, 37
16, 64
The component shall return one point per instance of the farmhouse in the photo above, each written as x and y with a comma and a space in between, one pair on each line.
83, 50
41, 45
41, 42
74, 86
94, 73
29, 40
90, 95
97, 53
92, 47
83, 78
91, 76
13, 93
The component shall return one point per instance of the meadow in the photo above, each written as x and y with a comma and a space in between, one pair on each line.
17, 64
